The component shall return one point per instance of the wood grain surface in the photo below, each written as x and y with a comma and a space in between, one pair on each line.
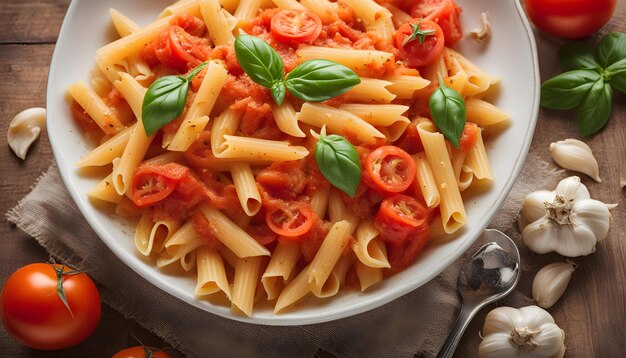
592, 312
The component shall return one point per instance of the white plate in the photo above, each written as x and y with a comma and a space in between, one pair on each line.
510, 54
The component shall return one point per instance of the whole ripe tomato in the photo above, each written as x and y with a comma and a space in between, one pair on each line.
570, 19
140, 352
33, 312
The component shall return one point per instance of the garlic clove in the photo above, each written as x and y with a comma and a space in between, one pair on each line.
573, 189
501, 319
24, 129
574, 241
575, 155
539, 235
533, 207
595, 214
551, 341
550, 283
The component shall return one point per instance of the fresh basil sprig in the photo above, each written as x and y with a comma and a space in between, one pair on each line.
447, 108
313, 81
589, 81
165, 100
339, 162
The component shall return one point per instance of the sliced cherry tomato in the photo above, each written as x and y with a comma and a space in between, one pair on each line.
402, 256
399, 217
293, 27
291, 220
32, 310
140, 352
445, 13
177, 49
390, 169
153, 183
570, 19
419, 46
469, 136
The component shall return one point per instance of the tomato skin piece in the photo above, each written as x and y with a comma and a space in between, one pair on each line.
402, 256
281, 219
153, 183
33, 313
293, 27
177, 49
570, 19
139, 352
469, 136
446, 13
389, 169
418, 54
396, 225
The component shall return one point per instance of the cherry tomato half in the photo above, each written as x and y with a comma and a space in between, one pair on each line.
33, 312
294, 219
296, 26
390, 169
570, 19
399, 217
140, 352
177, 49
469, 136
153, 183
445, 13
402, 256
419, 51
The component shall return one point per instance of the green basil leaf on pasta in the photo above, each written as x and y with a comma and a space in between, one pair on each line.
164, 101
319, 80
611, 49
339, 162
259, 60
577, 56
447, 108
195, 71
567, 90
595, 109
278, 92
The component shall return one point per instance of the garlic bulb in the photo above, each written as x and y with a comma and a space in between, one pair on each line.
575, 155
522, 333
550, 283
24, 130
565, 220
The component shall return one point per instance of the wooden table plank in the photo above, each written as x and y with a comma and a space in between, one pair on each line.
27, 22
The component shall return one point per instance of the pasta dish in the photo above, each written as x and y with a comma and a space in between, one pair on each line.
284, 148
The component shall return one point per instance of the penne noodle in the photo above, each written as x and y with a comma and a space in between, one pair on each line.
294, 291
95, 107
368, 276
284, 259
484, 113
226, 123
246, 148
123, 25
211, 273
404, 87
247, 272
356, 60
105, 191
247, 191
426, 180
371, 90
328, 255
286, 120
369, 250
289, 4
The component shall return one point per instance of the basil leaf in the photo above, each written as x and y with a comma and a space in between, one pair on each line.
195, 71
567, 90
595, 109
259, 60
319, 80
278, 92
447, 108
577, 56
339, 162
611, 49
163, 102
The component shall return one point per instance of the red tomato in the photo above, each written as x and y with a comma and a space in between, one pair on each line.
293, 219
445, 13
570, 19
176, 49
469, 136
296, 26
390, 169
140, 352
399, 217
417, 52
410, 140
34, 314
402, 256
153, 183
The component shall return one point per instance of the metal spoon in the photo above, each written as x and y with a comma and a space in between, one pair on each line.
488, 275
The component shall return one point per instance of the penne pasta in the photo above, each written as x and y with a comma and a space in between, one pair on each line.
95, 107
245, 148
123, 25
247, 272
329, 253
217, 22
227, 123
368, 276
484, 113
211, 273
286, 120
369, 250
247, 191
357, 60
404, 87
371, 90
281, 266
426, 180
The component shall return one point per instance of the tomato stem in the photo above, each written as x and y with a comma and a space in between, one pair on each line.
60, 273
418, 34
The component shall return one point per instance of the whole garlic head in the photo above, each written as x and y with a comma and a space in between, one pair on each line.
550, 283
575, 155
24, 130
565, 220
522, 333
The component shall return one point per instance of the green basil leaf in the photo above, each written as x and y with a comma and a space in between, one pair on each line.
595, 109
567, 90
278, 92
618, 81
195, 71
339, 162
259, 60
447, 108
163, 102
319, 80
611, 49
577, 56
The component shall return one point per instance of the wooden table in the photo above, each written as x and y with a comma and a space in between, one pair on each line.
592, 312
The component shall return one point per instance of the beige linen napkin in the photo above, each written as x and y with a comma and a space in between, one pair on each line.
416, 324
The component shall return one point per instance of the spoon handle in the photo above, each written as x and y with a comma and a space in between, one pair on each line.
465, 317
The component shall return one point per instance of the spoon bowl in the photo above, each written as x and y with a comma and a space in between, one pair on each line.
488, 275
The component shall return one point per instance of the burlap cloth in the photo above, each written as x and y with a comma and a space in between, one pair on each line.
416, 324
